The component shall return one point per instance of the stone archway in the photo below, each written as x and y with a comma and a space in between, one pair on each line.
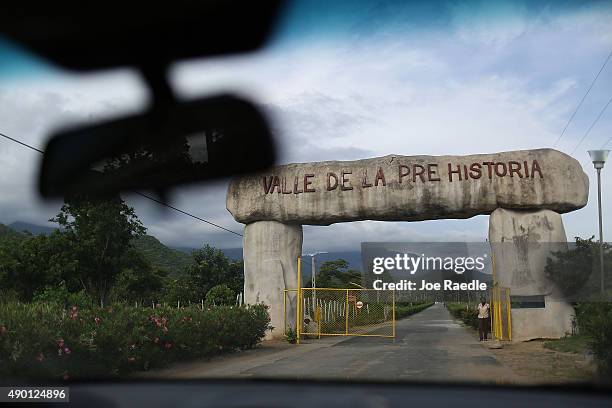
524, 192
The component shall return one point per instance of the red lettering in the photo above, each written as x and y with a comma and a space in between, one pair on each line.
285, 185
515, 167
475, 171
266, 185
489, 168
296, 190
380, 176
364, 182
329, 177
451, 172
307, 182
535, 167
276, 185
432, 170
419, 173
402, 174
343, 186
497, 172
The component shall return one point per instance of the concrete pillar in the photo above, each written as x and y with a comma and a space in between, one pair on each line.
270, 250
521, 241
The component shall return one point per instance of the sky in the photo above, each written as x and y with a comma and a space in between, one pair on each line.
351, 80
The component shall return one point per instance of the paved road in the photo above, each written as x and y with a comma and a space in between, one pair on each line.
429, 346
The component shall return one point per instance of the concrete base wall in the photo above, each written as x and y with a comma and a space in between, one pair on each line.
552, 322
270, 250
521, 241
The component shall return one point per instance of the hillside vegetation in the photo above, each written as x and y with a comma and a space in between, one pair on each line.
159, 255
168, 259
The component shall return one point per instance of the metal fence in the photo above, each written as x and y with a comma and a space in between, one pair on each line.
340, 312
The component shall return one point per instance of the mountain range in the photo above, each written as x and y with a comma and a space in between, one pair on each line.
175, 258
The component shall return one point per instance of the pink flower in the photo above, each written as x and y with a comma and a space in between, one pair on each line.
168, 346
131, 359
40, 357
74, 308
66, 350
97, 320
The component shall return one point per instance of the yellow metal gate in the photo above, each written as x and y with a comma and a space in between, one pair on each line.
340, 312
501, 316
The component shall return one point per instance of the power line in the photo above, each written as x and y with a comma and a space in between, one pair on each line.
184, 212
592, 125
137, 192
21, 143
607, 141
583, 98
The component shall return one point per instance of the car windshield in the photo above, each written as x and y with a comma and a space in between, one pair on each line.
435, 213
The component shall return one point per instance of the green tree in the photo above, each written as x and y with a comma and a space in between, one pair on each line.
221, 295
138, 280
179, 289
30, 264
576, 271
99, 232
337, 274
211, 268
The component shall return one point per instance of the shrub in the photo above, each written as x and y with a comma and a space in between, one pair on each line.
61, 296
291, 336
595, 322
42, 340
464, 312
220, 295
407, 310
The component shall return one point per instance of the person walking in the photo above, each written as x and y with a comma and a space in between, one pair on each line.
483, 319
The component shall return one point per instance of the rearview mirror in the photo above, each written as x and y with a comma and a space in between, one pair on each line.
187, 142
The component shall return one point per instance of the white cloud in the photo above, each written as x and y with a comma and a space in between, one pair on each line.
473, 88
493, 23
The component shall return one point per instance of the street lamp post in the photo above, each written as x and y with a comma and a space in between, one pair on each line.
314, 272
599, 159
313, 279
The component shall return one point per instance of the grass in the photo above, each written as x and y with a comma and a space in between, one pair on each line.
571, 344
